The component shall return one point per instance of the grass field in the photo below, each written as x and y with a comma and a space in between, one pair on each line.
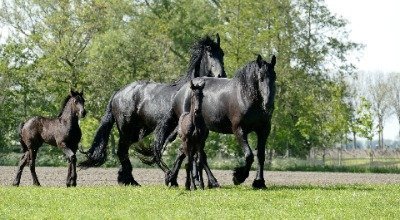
159, 202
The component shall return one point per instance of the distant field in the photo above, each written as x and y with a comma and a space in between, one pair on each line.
159, 202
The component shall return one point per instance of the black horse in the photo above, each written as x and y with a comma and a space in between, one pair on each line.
62, 131
232, 106
139, 107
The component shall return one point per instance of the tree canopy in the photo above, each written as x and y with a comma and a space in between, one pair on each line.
99, 46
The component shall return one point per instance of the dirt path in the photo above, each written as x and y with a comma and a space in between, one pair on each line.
55, 176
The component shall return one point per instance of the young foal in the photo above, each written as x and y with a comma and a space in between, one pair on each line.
193, 132
62, 131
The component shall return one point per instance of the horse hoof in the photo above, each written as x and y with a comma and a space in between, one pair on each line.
170, 180
259, 184
134, 183
213, 185
239, 175
15, 183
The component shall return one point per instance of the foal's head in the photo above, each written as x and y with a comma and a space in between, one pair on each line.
76, 103
196, 97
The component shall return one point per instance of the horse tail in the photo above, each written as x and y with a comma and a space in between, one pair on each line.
23, 145
97, 154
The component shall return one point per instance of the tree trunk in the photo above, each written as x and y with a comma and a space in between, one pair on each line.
380, 131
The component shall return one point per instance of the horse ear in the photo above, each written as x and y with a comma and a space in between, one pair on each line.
72, 92
218, 40
273, 60
259, 60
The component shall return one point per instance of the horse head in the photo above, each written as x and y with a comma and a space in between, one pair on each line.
78, 103
266, 81
208, 58
196, 97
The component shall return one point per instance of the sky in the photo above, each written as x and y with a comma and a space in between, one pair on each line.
376, 25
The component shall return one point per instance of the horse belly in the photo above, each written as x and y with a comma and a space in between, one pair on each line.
220, 125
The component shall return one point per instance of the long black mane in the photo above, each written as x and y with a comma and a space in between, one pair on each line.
197, 51
245, 77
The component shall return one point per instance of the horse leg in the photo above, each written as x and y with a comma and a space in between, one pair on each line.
72, 176
125, 176
241, 173
212, 181
190, 169
23, 161
32, 155
194, 171
171, 178
200, 169
259, 182
188, 174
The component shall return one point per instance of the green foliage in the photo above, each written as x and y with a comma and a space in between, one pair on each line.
363, 122
99, 46
154, 202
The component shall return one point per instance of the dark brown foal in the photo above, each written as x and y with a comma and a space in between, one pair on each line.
63, 132
193, 132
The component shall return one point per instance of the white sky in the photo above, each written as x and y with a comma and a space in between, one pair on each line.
376, 24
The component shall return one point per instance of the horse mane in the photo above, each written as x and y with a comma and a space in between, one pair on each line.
64, 103
195, 58
246, 71
245, 75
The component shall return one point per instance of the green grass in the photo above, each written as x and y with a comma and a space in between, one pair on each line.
159, 202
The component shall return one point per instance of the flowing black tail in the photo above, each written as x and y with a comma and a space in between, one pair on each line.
97, 154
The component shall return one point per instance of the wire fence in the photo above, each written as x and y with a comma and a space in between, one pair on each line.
363, 158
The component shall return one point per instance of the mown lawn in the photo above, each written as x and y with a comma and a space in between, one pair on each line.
231, 202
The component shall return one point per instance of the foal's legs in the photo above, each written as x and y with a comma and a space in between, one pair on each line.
72, 176
125, 176
171, 178
23, 161
241, 173
32, 155
201, 167
191, 172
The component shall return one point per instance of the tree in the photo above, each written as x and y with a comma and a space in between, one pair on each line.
100, 46
378, 93
394, 97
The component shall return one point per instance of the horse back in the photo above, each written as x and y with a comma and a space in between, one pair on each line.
143, 104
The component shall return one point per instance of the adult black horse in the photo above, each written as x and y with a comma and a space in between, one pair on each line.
236, 106
139, 107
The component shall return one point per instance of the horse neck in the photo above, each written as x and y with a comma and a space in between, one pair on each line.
69, 116
248, 89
